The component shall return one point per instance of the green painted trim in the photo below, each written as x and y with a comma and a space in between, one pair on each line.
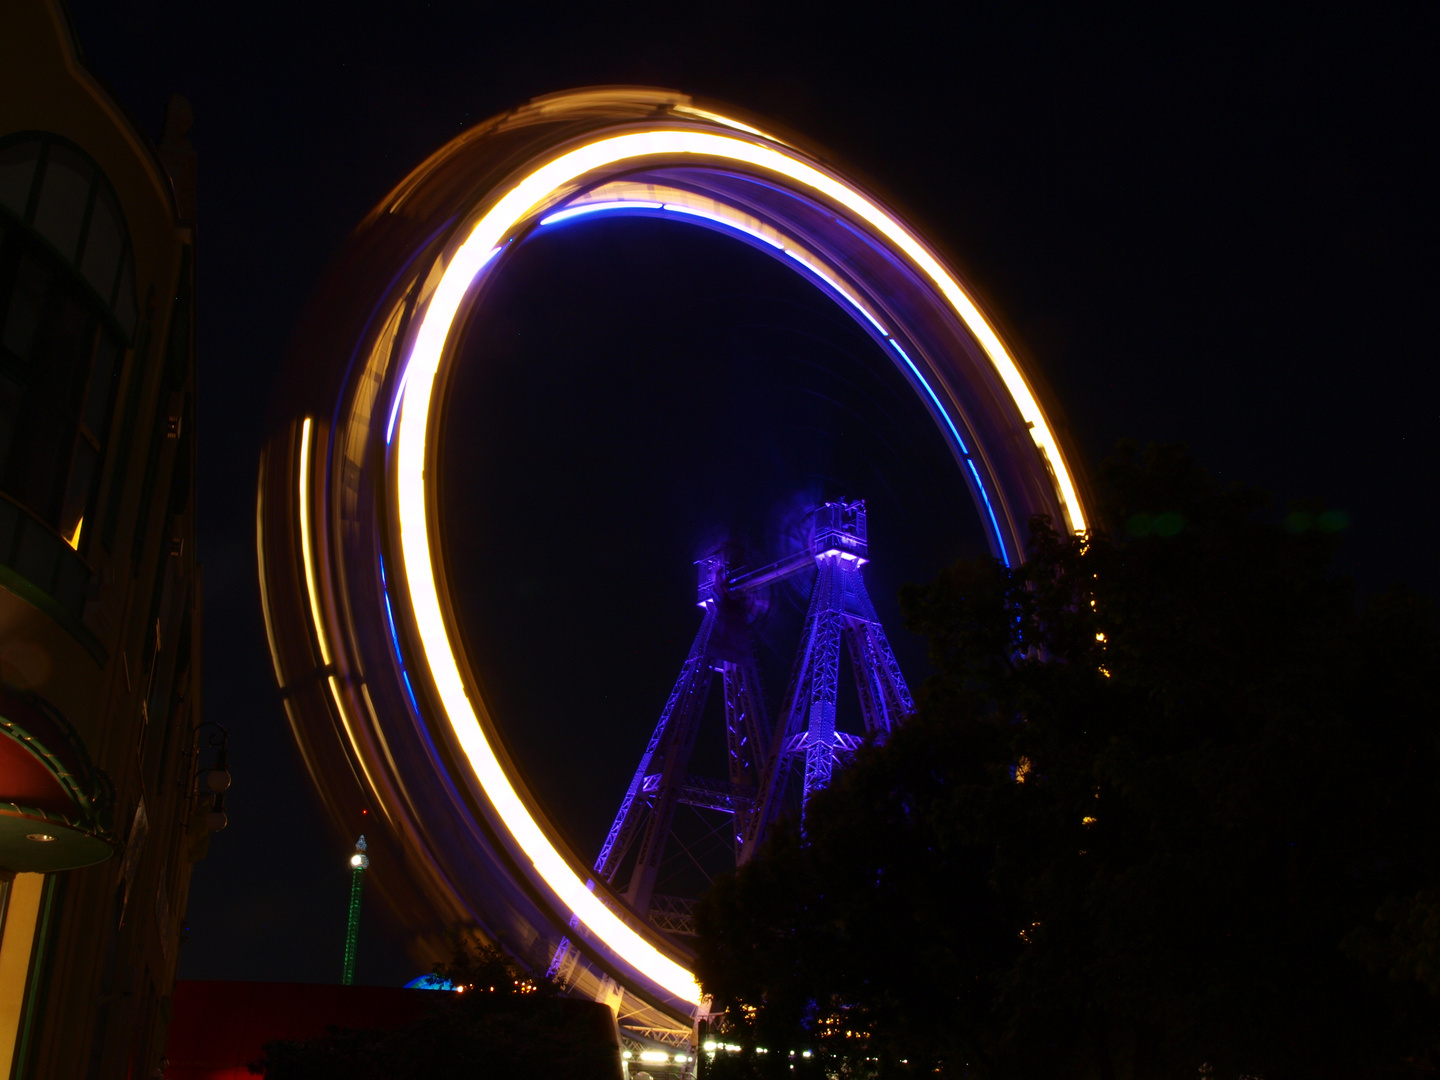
32, 594
84, 800
92, 792
45, 817
39, 968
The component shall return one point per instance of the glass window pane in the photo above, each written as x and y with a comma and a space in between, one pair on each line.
125, 298
77, 491
10, 519
60, 359
103, 240
11, 394
37, 554
17, 169
39, 462
27, 301
70, 585
64, 193
102, 385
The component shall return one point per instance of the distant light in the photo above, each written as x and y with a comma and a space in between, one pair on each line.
40, 837
710, 1046
656, 1057
626, 1054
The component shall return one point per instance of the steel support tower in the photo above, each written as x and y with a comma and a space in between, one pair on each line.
762, 756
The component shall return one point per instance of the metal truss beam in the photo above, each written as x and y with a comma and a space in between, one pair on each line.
761, 759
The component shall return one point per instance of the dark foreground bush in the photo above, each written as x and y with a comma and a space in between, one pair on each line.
1170, 807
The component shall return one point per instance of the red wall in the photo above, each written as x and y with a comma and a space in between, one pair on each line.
219, 1027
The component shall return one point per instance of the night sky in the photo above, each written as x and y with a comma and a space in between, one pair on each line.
631, 394
1211, 230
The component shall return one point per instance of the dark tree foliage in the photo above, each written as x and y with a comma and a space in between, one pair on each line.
505, 1023
1169, 807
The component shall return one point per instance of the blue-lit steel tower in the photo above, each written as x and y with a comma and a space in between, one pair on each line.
840, 608
762, 756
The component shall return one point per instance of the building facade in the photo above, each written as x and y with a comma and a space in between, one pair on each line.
100, 724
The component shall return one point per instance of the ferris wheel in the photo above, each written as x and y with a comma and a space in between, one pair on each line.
382, 695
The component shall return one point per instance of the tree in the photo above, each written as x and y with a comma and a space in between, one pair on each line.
1169, 806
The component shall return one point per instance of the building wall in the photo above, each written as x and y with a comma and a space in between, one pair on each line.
105, 630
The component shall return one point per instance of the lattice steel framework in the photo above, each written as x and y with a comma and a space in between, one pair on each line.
761, 756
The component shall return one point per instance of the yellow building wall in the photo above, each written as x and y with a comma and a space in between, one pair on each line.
22, 912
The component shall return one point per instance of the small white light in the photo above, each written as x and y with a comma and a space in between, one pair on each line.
39, 837
354, 860
709, 1047
658, 1057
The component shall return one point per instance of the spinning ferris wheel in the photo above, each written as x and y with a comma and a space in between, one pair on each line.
384, 699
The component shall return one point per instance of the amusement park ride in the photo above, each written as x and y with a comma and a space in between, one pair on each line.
383, 698
761, 758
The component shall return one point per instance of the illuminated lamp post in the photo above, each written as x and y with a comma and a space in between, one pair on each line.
359, 863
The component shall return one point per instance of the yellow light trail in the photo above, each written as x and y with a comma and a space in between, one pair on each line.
306, 554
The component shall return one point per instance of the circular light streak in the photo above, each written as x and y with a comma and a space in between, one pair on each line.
592, 158
413, 492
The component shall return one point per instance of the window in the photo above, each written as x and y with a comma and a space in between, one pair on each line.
67, 312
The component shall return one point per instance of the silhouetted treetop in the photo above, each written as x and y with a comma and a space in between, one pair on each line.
1169, 806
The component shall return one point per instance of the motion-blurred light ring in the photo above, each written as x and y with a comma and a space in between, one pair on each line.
566, 147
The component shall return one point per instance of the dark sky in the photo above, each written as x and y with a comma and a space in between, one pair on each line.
1203, 228
631, 393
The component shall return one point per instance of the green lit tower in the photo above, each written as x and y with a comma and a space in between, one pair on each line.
359, 863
